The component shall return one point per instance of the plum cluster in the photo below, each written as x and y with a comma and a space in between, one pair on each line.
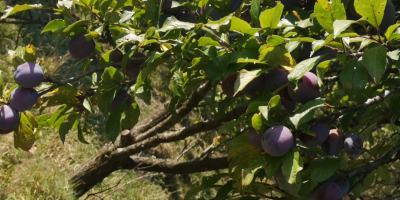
27, 75
278, 140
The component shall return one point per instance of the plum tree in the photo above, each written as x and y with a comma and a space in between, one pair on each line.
133, 68
28, 75
254, 138
275, 79
321, 134
119, 98
327, 191
228, 85
80, 48
334, 144
23, 98
116, 56
353, 145
307, 90
9, 117
277, 140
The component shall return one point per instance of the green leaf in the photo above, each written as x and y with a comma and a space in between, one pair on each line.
256, 122
255, 11
327, 12
18, 8
87, 103
341, 25
372, 10
54, 25
57, 114
217, 67
271, 17
239, 145
105, 4
374, 60
67, 125
124, 3
113, 124
24, 137
132, 116
274, 104
171, 23
390, 30
225, 191
206, 41
303, 67
291, 165
276, 56
394, 55
111, 77
384, 173
323, 167
80, 135
155, 59
271, 164
75, 25
241, 26
322, 68
105, 98
354, 77
305, 112
244, 78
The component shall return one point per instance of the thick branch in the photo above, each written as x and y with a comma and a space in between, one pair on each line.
169, 166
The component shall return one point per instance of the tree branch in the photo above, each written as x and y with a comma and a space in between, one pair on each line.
182, 111
169, 166
175, 136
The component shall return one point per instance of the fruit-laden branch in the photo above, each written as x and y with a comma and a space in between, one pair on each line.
169, 166
111, 158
